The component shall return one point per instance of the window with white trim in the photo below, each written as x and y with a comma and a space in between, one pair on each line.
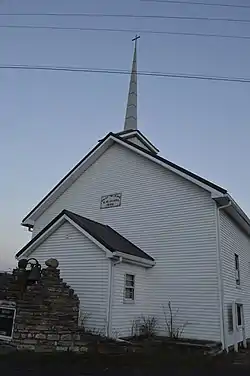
237, 269
129, 287
239, 314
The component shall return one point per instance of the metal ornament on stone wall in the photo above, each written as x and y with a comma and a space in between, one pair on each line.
35, 274
31, 268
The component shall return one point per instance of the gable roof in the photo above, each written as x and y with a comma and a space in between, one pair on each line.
126, 135
179, 168
104, 234
107, 141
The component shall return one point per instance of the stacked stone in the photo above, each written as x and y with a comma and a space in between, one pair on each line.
5, 280
46, 312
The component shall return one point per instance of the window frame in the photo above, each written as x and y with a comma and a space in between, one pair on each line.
237, 269
239, 314
129, 287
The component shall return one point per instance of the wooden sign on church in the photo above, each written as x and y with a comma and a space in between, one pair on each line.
111, 201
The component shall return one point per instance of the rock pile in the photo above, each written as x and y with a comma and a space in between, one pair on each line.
46, 312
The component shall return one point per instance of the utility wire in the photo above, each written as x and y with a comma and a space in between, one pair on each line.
125, 31
118, 71
197, 3
128, 16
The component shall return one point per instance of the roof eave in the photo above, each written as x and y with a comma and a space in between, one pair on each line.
50, 228
212, 188
27, 223
41, 236
234, 211
66, 215
30, 218
239, 210
141, 137
146, 262
94, 154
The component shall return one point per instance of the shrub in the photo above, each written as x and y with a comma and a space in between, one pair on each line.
173, 331
144, 326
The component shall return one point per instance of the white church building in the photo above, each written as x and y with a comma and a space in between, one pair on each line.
133, 231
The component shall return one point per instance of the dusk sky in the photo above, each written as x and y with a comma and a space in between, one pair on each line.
50, 120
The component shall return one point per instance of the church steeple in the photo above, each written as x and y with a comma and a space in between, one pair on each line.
131, 133
131, 110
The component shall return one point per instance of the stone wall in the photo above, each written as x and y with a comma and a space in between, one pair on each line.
46, 312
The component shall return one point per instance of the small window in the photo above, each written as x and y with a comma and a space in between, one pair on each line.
129, 288
237, 269
239, 311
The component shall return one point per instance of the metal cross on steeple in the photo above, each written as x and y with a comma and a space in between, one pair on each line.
131, 111
135, 39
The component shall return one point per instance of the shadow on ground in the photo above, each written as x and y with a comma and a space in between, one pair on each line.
160, 363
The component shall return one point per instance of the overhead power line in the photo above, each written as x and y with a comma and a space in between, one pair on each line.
93, 15
197, 3
122, 72
111, 30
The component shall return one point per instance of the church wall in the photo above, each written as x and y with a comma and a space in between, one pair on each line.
125, 314
170, 218
234, 240
84, 266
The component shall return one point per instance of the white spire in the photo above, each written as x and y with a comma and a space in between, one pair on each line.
131, 111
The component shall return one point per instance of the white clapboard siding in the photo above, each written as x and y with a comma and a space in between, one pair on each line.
124, 314
234, 240
83, 266
168, 217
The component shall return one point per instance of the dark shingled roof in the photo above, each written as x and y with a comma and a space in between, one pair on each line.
104, 234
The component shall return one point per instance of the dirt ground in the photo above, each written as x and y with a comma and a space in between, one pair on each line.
34, 364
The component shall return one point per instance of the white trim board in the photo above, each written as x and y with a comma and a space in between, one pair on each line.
53, 228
